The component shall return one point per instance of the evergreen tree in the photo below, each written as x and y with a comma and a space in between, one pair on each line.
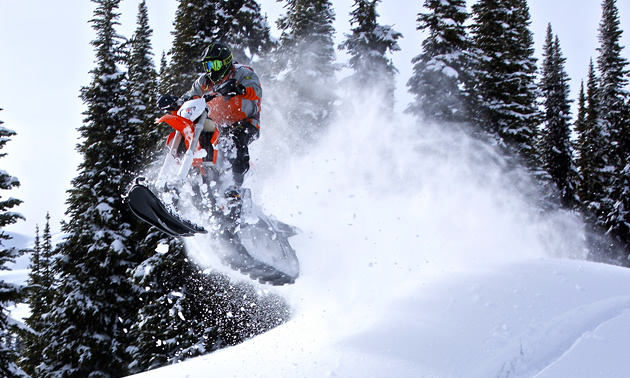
196, 25
33, 344
580, 119
238, 23
142, 86
10, 294
591, 148
580, 127
440, 71
243, 27
40, 297
35, 265
613, 71
555, 144
306, 59
95, 303
504, 75
368, 45
614, 111
47, 258
163, 75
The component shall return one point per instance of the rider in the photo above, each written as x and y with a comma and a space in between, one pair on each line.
238, 113
236, 110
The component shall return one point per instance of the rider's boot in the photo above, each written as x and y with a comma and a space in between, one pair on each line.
235, 206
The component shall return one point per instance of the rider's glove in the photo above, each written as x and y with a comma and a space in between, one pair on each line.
210, 96
230, 88
167, 102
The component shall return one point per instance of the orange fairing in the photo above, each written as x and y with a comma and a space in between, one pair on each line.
186, 127
180, 124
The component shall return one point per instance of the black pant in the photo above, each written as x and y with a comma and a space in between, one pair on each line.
242, 133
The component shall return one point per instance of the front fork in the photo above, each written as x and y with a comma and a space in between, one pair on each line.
172, 175
187, 161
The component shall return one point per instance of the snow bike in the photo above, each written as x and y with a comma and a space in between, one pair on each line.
192, 182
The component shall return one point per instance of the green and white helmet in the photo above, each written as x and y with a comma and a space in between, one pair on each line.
217, 61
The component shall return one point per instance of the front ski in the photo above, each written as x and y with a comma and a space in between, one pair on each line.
260, 250
148, 207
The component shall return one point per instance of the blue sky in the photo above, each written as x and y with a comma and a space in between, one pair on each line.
47, 56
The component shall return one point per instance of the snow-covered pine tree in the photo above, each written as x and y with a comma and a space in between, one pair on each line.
161, 332
35, 265
368, 45
504, 75
95, 303
40, 297
33, 345
47, 262
142, 86
243, 27
591, 147
238, 23
440, 72
555, 143
580, 119
196, 24
306, 82
163, 74
579, 126
613, 98
612, 67
10, 294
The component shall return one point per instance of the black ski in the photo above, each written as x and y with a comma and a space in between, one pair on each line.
260, 250
146, 206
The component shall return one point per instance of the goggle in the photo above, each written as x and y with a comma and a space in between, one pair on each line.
213, 65
216, 65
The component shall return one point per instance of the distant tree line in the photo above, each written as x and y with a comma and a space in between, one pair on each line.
104, 303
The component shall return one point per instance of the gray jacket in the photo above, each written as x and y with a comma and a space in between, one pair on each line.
244, 75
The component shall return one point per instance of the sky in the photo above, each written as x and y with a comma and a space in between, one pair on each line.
47, 56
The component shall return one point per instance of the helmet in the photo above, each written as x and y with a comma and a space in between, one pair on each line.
217, 61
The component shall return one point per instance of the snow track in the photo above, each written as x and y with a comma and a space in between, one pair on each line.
545, 342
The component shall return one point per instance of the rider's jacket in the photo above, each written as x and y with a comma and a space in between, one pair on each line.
238, 108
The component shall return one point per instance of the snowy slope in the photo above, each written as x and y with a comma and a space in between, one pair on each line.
543, 318
422, 256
